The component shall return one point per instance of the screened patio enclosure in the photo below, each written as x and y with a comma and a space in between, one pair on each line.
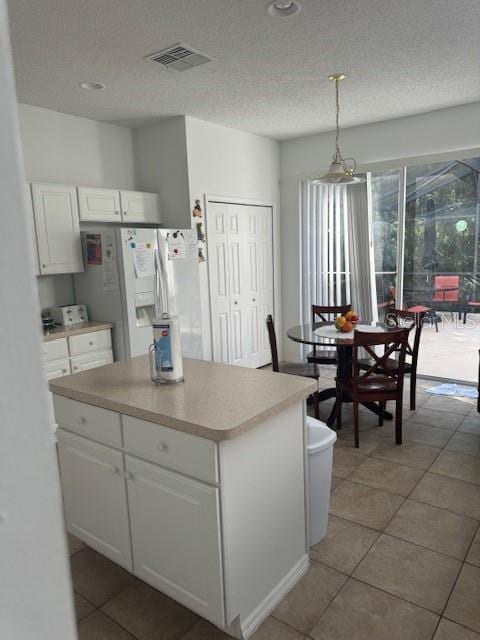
406, 238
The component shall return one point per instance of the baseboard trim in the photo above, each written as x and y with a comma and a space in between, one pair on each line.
265, 608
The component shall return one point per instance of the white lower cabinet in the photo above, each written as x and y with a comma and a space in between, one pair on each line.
57, 368
95, 496
175, 524
91, 360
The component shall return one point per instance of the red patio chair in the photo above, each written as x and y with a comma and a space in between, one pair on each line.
446, 289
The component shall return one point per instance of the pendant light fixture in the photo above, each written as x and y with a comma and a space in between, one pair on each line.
342, 170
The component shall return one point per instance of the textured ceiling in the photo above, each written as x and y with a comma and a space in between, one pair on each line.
268, 75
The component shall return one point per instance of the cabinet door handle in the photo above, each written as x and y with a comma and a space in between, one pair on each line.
163, 447
129, 475
124, 213
90, 342
82, 419
44, 265
117, 213
64, 371
236, 302
114, 469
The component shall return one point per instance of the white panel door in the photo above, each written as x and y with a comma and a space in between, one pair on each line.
175, 525
265, 277
99, 205
138, 206
55, 209
218, 258
95, 496
252, 297
241, 282
238, 278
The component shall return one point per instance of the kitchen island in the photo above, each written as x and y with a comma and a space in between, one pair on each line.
197, 488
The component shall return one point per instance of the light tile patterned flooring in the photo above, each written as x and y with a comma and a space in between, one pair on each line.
401, 559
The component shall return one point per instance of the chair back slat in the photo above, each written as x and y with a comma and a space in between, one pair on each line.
273, 343
328, 313
407, 320
392, 341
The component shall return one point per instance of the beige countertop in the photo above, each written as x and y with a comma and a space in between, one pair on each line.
83, 327
216, 401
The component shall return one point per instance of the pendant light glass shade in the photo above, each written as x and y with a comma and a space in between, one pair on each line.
342, 170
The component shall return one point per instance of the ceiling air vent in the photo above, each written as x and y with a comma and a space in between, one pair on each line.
178, 57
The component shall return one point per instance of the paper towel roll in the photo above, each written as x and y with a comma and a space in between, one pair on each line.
168, 349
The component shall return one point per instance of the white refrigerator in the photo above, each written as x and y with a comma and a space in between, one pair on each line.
120, 279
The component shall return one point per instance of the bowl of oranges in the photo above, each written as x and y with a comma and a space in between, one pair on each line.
346, 322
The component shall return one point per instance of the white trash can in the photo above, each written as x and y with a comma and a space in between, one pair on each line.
320, 457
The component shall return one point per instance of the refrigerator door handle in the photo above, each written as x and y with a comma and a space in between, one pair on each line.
161, 291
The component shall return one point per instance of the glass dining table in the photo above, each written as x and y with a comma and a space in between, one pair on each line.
324, 334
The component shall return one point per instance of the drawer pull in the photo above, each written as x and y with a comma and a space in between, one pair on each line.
83, 420
90, 342
163, 447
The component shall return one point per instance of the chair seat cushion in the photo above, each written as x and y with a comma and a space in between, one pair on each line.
392, 363
419, 308
375, 383
304, 369
325, 356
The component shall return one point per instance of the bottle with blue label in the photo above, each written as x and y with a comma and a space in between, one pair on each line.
166, 352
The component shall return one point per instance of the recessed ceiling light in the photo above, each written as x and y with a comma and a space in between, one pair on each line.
284, 8
91, 86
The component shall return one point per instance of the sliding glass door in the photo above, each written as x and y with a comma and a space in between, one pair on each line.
425, 228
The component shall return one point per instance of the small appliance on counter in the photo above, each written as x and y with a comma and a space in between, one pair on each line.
48, 323
67, 315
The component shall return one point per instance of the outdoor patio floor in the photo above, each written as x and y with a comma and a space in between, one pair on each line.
451, 353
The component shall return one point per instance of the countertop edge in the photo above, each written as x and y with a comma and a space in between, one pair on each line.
66, 332
217, 435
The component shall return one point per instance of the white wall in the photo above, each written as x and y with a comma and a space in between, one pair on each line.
392, 143
228, 162
70, 150
35, 589
161, 167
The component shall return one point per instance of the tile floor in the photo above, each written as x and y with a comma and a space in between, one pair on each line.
401, 559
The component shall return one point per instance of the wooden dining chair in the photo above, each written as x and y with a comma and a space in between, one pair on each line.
402, 319
326, 314
380, 382
304, 369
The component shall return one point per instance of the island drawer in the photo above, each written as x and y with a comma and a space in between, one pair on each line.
85, 342
55, 349
184, 452
89, 421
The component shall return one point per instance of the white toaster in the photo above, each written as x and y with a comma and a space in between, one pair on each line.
69, 314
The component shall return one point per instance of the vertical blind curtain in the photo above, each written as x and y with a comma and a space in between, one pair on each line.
364, 293
325, 256
337, 251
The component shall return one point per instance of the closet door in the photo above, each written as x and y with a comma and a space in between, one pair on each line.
253, 303
218, 262
241, 282
239, 277
265, 277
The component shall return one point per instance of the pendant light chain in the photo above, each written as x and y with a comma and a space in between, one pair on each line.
337, 156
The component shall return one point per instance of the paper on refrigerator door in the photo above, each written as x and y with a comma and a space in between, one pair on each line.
109, 263
143, 259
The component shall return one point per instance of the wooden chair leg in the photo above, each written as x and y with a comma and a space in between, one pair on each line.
356, 429
413, 390
338, 408
382, 406
316, 405
398, 421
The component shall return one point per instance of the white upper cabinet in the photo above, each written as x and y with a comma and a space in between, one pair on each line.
138, 206
99, 205
55, 209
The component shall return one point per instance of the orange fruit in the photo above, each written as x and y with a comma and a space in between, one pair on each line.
347, 327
